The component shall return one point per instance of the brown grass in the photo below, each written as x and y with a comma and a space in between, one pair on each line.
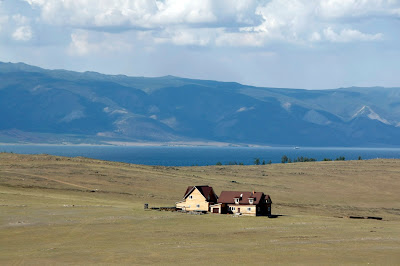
49, 215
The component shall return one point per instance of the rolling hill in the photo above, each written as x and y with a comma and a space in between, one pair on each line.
61, 210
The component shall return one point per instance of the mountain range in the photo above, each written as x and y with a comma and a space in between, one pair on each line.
58, 106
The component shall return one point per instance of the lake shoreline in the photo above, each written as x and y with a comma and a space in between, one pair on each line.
146, 144
194, 144
201, 155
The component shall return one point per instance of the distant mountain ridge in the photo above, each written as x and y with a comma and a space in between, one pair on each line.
56, 106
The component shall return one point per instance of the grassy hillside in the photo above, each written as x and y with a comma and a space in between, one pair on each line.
49, 214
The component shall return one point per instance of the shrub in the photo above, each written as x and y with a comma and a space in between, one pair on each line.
304, 159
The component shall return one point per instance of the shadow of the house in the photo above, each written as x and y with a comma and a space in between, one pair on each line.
275, 215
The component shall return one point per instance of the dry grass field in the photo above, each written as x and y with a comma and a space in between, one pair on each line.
49, 214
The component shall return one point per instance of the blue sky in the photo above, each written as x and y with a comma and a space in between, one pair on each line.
307, 44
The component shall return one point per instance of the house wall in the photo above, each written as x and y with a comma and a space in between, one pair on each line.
213, 207
221, 208
244, 209
196, 203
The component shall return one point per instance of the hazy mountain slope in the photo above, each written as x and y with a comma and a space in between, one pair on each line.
37, 104
341, 102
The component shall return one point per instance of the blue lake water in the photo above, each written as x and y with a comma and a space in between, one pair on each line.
187, 156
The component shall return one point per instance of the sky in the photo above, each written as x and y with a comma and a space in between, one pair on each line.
309, 44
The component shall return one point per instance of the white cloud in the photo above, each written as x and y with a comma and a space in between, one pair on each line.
143, 13
23, 33
248, 23
297, 21
350, 35
356, 8
284, 19
95, 13
20, 20
315, 37
79, 44
183, 11
84, 42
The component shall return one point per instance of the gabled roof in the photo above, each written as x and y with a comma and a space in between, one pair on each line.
204, 190
229, 197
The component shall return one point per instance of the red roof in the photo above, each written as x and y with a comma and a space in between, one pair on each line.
229, 197
204, 190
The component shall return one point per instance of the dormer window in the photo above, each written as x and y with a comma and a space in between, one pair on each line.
236, 200
251, 200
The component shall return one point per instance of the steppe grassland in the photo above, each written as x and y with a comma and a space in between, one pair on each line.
48, 213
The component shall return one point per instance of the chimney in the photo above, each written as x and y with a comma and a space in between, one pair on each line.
254, 192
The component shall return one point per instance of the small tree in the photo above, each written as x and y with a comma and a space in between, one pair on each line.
256, 161
263, 163
218, 163
269, 162
359, 158
284, 159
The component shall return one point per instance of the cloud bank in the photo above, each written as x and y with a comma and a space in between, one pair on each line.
218, 23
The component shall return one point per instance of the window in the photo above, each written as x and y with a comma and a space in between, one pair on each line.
236, 200
248, 209
190, 197
198, 206
251, 201
232, 208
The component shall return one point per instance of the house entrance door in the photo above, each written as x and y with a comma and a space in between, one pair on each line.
238, 210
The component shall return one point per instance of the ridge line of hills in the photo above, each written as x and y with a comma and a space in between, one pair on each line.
58, 106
